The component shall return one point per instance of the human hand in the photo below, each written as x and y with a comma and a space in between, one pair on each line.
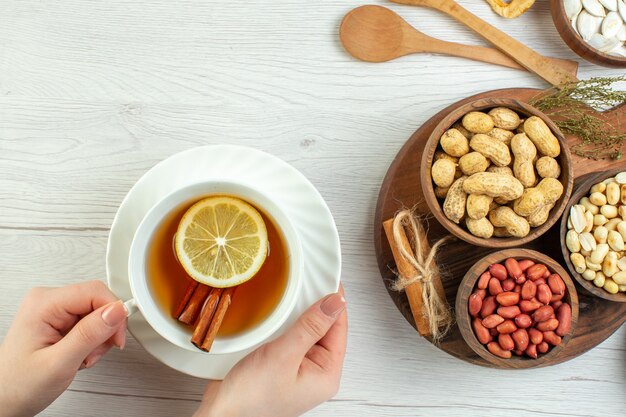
290, 375
56, 332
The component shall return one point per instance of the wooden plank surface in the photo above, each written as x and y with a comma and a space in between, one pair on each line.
92, 94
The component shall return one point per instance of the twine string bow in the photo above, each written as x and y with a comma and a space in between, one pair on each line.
436, 310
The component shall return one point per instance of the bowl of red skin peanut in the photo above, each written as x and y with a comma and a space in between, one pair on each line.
517, 308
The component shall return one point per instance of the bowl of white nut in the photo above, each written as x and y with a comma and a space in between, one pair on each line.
594, 29
593, 232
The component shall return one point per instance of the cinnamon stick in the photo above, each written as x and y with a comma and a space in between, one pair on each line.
218, 317
206, 317
405, 269
194, 306
183, 302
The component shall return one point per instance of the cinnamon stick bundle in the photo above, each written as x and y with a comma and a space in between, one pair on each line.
204, 308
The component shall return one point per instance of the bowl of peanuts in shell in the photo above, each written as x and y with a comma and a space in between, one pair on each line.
593, 232
517, 308
496, 173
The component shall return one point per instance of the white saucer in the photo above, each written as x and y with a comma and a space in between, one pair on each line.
285, 185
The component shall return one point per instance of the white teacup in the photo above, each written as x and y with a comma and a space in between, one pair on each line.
167, 326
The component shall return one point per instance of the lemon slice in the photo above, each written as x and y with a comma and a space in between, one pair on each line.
221, 241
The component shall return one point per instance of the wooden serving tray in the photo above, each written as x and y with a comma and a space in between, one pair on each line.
598, 318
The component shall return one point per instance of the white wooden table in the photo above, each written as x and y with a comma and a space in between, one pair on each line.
93, 93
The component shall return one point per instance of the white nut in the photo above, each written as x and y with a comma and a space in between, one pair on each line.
612, 193
622, 288
584, 252
608, 211
609, 266
622, 191
598, 281
621, 263
609, 180
621, 228
589, 206
597, 255
577, 217
599, 220
579, 262
615, 241
621, 211
621, 178
610, 286
620, 278
572, 242
589, 275
587, 241
597, 198
600, 233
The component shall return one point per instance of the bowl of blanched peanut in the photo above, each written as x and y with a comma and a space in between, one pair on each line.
593, 232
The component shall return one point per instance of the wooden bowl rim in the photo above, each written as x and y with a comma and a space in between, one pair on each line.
562, 24
567, 173
583, 190
465, 290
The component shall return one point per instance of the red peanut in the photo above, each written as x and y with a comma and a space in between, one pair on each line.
523, 321
564, 316
506, 342
493, 332
495, 287
481, 332
521, 279
543, 347
507, 299
509, 312
528, 306
531, 351
540, 281
481, 293
557, 297
529, 289
492, 321
536, 271
556, 304
544, 294
524, 264
507, 326
508, 284
517, 352
513, 268
498, 271
483, 281
548, 325
552, 338
535, 336
489, 306
521, 339
495, 349
518, 289
543, 313
475, 304
556, 284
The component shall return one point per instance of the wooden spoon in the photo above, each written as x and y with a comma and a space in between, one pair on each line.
377, 34
555, 72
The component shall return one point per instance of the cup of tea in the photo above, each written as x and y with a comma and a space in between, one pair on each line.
259, 307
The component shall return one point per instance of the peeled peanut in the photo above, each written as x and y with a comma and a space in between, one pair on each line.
621, 211
578, 261
597, 255
615, 241
589, 220
587, 241
612, 193
589, 205
591, 265
610, 286
589, 275
622, 191
609, 265
598, 281
610, 212
599, 220
600, 234
620, 277
621, 228
598, 188
597, 199
622, 288
612, 224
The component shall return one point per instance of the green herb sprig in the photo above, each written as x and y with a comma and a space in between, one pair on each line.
569, 106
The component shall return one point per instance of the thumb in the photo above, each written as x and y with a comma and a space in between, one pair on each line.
312, 325
90, 332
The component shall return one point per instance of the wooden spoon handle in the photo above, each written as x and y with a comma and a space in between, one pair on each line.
540, 65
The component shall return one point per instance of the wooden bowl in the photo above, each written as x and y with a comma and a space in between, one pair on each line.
526, 110
464, 320
576, 42
581, 191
